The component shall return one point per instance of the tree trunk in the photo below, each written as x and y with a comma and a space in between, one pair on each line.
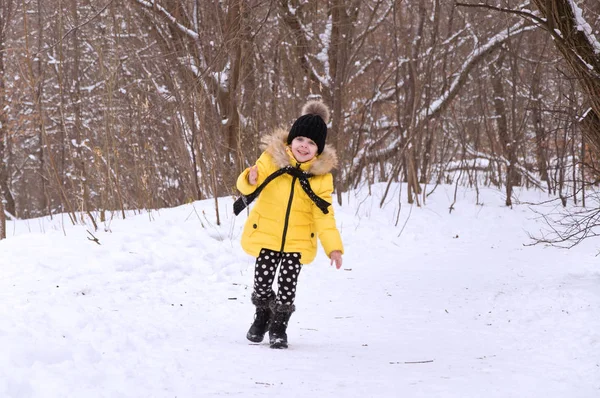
3, 138
500, 111
590, 126
540, 134
5, 17
78, 125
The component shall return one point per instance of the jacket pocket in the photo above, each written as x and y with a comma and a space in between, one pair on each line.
313, 236
252, 224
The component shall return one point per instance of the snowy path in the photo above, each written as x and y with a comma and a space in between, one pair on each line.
454, 307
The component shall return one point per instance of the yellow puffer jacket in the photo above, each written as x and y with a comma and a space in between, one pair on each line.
305, 221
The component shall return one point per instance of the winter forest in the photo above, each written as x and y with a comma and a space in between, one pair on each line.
116, 105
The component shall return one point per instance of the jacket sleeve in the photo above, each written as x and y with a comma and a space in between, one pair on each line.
243, 185
325, 223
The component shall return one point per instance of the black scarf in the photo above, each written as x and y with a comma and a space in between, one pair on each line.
243, 201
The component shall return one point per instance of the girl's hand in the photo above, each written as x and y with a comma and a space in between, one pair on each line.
253, 175
336, 257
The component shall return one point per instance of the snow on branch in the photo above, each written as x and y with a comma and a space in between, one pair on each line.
196, 66
444, 100
472, 60
304, 35
323, 56
521, 11
151, 4
582, 26
531, 177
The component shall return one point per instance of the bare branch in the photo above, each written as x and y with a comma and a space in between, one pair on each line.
520, 13
81, 25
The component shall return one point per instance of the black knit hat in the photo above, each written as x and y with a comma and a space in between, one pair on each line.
312, 124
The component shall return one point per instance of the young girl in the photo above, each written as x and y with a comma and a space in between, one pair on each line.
293, 183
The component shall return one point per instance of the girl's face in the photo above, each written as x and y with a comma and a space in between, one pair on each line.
303, 149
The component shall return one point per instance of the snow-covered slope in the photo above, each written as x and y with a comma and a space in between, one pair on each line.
439, 305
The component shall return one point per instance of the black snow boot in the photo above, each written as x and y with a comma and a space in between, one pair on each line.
262, 319
279, 323
259, 327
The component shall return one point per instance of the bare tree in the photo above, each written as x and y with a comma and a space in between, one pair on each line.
6, 15
575, 39
133, 104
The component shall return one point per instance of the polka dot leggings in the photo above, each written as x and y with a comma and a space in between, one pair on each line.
264, 275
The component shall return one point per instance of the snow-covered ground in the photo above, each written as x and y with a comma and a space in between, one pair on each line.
439, 305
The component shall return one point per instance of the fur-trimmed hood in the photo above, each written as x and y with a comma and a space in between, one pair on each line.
275, 144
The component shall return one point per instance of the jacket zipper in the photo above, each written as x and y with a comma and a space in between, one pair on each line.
287, 213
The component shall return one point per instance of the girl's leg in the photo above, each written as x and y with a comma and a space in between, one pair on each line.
264, 274
284, 302
263, 296
288, 277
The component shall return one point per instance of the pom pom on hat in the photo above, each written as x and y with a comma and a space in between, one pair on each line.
315, 107
312, 124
